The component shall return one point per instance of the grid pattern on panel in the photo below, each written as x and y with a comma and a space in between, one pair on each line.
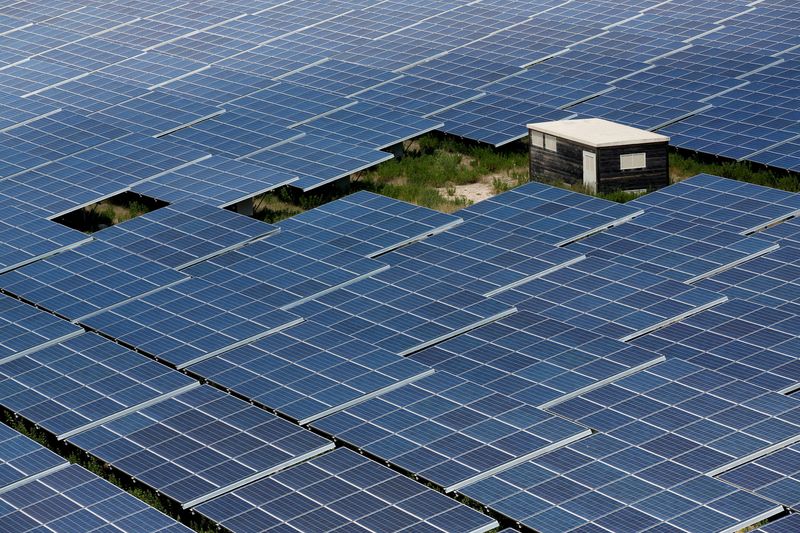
25, 237
200, 444
343, 489
613, 300
83, 281
92, 92
217, 85
76, 384
536, 360
24, 328
722, 203
775, 476
184, 233
674, 248
74, 499
552, 215
22, 458
341, 77
16, 111
419, 95
284, 271
152, 69
309, 371
190, 321
448, 430
368, 224
218, 181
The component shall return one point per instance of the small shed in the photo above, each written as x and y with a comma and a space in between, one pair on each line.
604, 156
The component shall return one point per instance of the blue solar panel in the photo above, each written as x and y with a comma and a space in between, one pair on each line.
218, 181
74, 499
217, 85
23, 328
22, 459
93, 277
184, 233
342, 489
90, 93
190, 321
77, 384
341, 77
786, 524
368, 224
675, 248
25, 238
200, 444
16, 111
449, 431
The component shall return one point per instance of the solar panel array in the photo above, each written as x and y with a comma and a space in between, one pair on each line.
567, 363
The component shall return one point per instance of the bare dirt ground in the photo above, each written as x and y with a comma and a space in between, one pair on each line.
483, 189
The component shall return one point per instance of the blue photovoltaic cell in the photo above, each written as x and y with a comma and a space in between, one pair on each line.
90, 53
496, 120
218, 181
536, 360
200, 444
341, 77
23, 328
550, 214
343, 490
318, 160
288, 104
419, 95
93, 277
368, 224
370, 124
22, 457
674, 248
449, 431
25, 237
217, 85
775, 476
786, 524
74, 499
35, 75
464, 70
722, 203
184, 233
90, 93
286, 269
76, 384
158, 113
16, 111
483, 260
152, 69
190, 321
307, 377
271, 61
611, 299
234, 134
97, 173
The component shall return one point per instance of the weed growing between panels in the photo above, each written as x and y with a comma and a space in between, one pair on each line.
683, 165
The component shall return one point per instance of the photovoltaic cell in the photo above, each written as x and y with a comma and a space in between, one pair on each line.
184, 233
449, 431
80, 383
16, 111
83, 281
200, 444
190, 321
342, 489
23, 328
22, 459
74, 499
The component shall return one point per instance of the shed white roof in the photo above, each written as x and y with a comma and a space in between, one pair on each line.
597, 132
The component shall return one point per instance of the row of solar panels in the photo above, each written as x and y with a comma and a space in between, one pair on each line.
447, 429
300, 91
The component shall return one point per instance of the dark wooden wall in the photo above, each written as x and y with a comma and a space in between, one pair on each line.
566, 164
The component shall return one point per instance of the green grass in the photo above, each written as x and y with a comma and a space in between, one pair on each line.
682, 166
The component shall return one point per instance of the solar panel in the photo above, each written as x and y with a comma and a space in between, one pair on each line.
341, 77
25, 238
80, 282
184, 233
552, 215
722, 203
90, 53
342, 489
23, 329
152, 69
674, 248
368, 224
218, 181
17, 111
78, 384
270, 60
370, 125
786, 524
318, 160
23, 459
74, 499
419, 95
190, 321
89, 93
449, 431
217, 85
537, 360
463, 70
284, 271
158, 113
200, 444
